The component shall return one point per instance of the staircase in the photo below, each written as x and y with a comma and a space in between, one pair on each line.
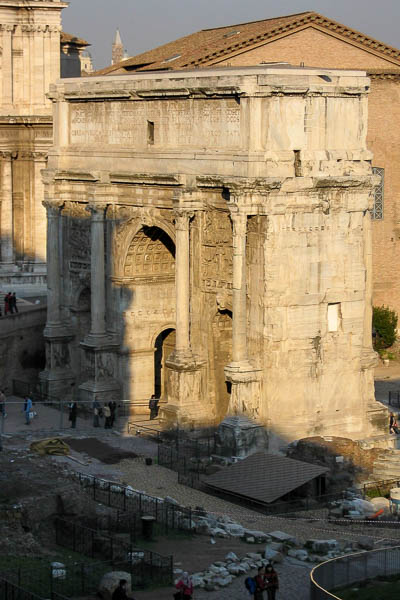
387, 466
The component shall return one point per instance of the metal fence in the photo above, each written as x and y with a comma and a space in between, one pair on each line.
133, 502
394, 398
10, 591
143, 565
340, 573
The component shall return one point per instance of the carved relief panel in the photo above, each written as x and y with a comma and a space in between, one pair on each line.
217, 251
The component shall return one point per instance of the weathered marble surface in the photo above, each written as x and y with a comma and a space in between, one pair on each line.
223, 191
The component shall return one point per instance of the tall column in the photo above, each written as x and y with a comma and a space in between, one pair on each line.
182, 278
7, 247
97, 273
239, 309
53, 208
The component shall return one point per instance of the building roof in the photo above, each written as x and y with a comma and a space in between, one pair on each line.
210, 46
67, 38
264, 477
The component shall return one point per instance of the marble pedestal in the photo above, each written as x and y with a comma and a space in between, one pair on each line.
239, 436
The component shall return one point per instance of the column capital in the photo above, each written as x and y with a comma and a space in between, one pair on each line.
53, 207
6, 155
182, 217
97, 210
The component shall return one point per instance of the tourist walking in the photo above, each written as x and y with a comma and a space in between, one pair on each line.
271, 581
28, 410
13, 303
73, 413
113, 409
184, 587
107, 416
96, 414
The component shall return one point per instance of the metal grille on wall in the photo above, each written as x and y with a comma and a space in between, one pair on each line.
377, 210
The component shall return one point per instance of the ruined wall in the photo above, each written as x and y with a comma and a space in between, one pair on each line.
22, 346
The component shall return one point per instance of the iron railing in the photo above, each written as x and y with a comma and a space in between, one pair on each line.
143, 565
339, 573
133, 502
11, 591
394, 398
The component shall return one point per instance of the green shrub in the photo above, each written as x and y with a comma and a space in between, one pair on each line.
384, 321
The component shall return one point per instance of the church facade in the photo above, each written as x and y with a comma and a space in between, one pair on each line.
209, 241
34, 53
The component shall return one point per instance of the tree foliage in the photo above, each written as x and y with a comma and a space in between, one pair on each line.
384, 322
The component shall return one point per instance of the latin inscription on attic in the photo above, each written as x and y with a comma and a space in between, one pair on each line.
176, 123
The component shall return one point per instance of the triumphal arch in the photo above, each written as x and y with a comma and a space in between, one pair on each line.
209, 242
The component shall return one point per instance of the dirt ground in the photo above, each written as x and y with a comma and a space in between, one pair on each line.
36, 484
97, 449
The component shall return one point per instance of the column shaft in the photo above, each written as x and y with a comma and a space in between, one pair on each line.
53, 264
97, 270
239, 309
182, 278
7, 249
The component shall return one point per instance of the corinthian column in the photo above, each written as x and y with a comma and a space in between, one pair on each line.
53, 208
97, 271
7, 249
182, 278
239, 324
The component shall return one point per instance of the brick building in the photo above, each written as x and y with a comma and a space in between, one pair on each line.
314, 40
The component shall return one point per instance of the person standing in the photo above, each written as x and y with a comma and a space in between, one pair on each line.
7, 303
107, 416
153, 406
3, 404
13, 303
73, 413
113, 409
271, 581
184, 587
120, 591
28, 410
96, 414
260, 584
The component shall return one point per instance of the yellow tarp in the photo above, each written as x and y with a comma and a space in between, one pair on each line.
50, 446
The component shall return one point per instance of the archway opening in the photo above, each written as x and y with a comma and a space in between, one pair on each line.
164, 345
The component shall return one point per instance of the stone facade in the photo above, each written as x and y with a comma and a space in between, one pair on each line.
314, 40
209, 239
30, 32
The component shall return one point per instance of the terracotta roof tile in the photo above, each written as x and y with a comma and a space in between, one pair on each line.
210, 46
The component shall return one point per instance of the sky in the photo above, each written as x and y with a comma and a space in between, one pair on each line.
146, 24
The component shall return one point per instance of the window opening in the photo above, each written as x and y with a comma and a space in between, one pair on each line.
150, 132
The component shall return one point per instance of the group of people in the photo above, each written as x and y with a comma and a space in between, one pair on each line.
108, 411
266, 580
10, 304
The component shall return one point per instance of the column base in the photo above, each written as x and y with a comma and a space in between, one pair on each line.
240, 436
102, 340
58, 384
101, 367
56, 332
186, 405
245, 389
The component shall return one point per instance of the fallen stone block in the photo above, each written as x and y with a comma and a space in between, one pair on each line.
231, 556
322, 546
281, 536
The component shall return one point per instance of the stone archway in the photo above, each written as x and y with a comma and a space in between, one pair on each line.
149, 307
164, 346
